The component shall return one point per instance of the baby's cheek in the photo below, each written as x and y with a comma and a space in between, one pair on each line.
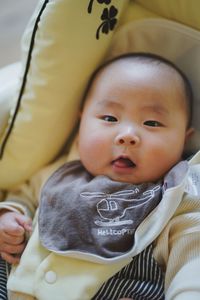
93, 154
91, 146
98, 140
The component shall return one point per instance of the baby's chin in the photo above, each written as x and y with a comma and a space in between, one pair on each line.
124, 179
133, 179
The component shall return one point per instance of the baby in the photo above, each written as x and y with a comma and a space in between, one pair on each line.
112, 224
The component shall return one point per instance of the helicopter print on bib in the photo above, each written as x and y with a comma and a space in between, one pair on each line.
112, 208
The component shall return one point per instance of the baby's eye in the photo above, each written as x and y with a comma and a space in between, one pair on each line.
108, 118
153, 123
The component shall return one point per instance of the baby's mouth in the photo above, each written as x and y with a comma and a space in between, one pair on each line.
123, 162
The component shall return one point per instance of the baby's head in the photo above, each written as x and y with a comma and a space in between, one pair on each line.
135, 119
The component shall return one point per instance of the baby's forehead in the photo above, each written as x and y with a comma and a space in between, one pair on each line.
161, 69
140, 63
143, 68
143, 64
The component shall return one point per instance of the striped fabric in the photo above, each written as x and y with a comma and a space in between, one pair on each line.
4, 271
142, 279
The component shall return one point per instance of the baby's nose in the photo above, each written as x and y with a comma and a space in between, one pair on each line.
127, 138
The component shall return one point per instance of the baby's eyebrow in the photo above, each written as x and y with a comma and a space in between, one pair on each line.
159, 109
109, 104
149, 107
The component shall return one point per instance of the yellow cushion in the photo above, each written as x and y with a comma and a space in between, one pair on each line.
60, 49
136, 12
182, 11
8, 88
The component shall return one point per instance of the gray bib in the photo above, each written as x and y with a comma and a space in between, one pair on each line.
82, 213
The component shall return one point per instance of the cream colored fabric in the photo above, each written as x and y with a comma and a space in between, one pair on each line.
76, 278
24, 198
177, 222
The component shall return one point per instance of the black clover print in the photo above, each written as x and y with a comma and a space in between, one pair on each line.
109, 20
99, 1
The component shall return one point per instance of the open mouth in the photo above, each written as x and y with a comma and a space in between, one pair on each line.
123, 162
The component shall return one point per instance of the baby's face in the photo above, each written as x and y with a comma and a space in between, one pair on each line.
133, 125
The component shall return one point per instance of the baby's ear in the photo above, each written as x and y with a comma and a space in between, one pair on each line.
189, 133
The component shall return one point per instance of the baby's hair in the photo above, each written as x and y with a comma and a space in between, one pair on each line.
149, 58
